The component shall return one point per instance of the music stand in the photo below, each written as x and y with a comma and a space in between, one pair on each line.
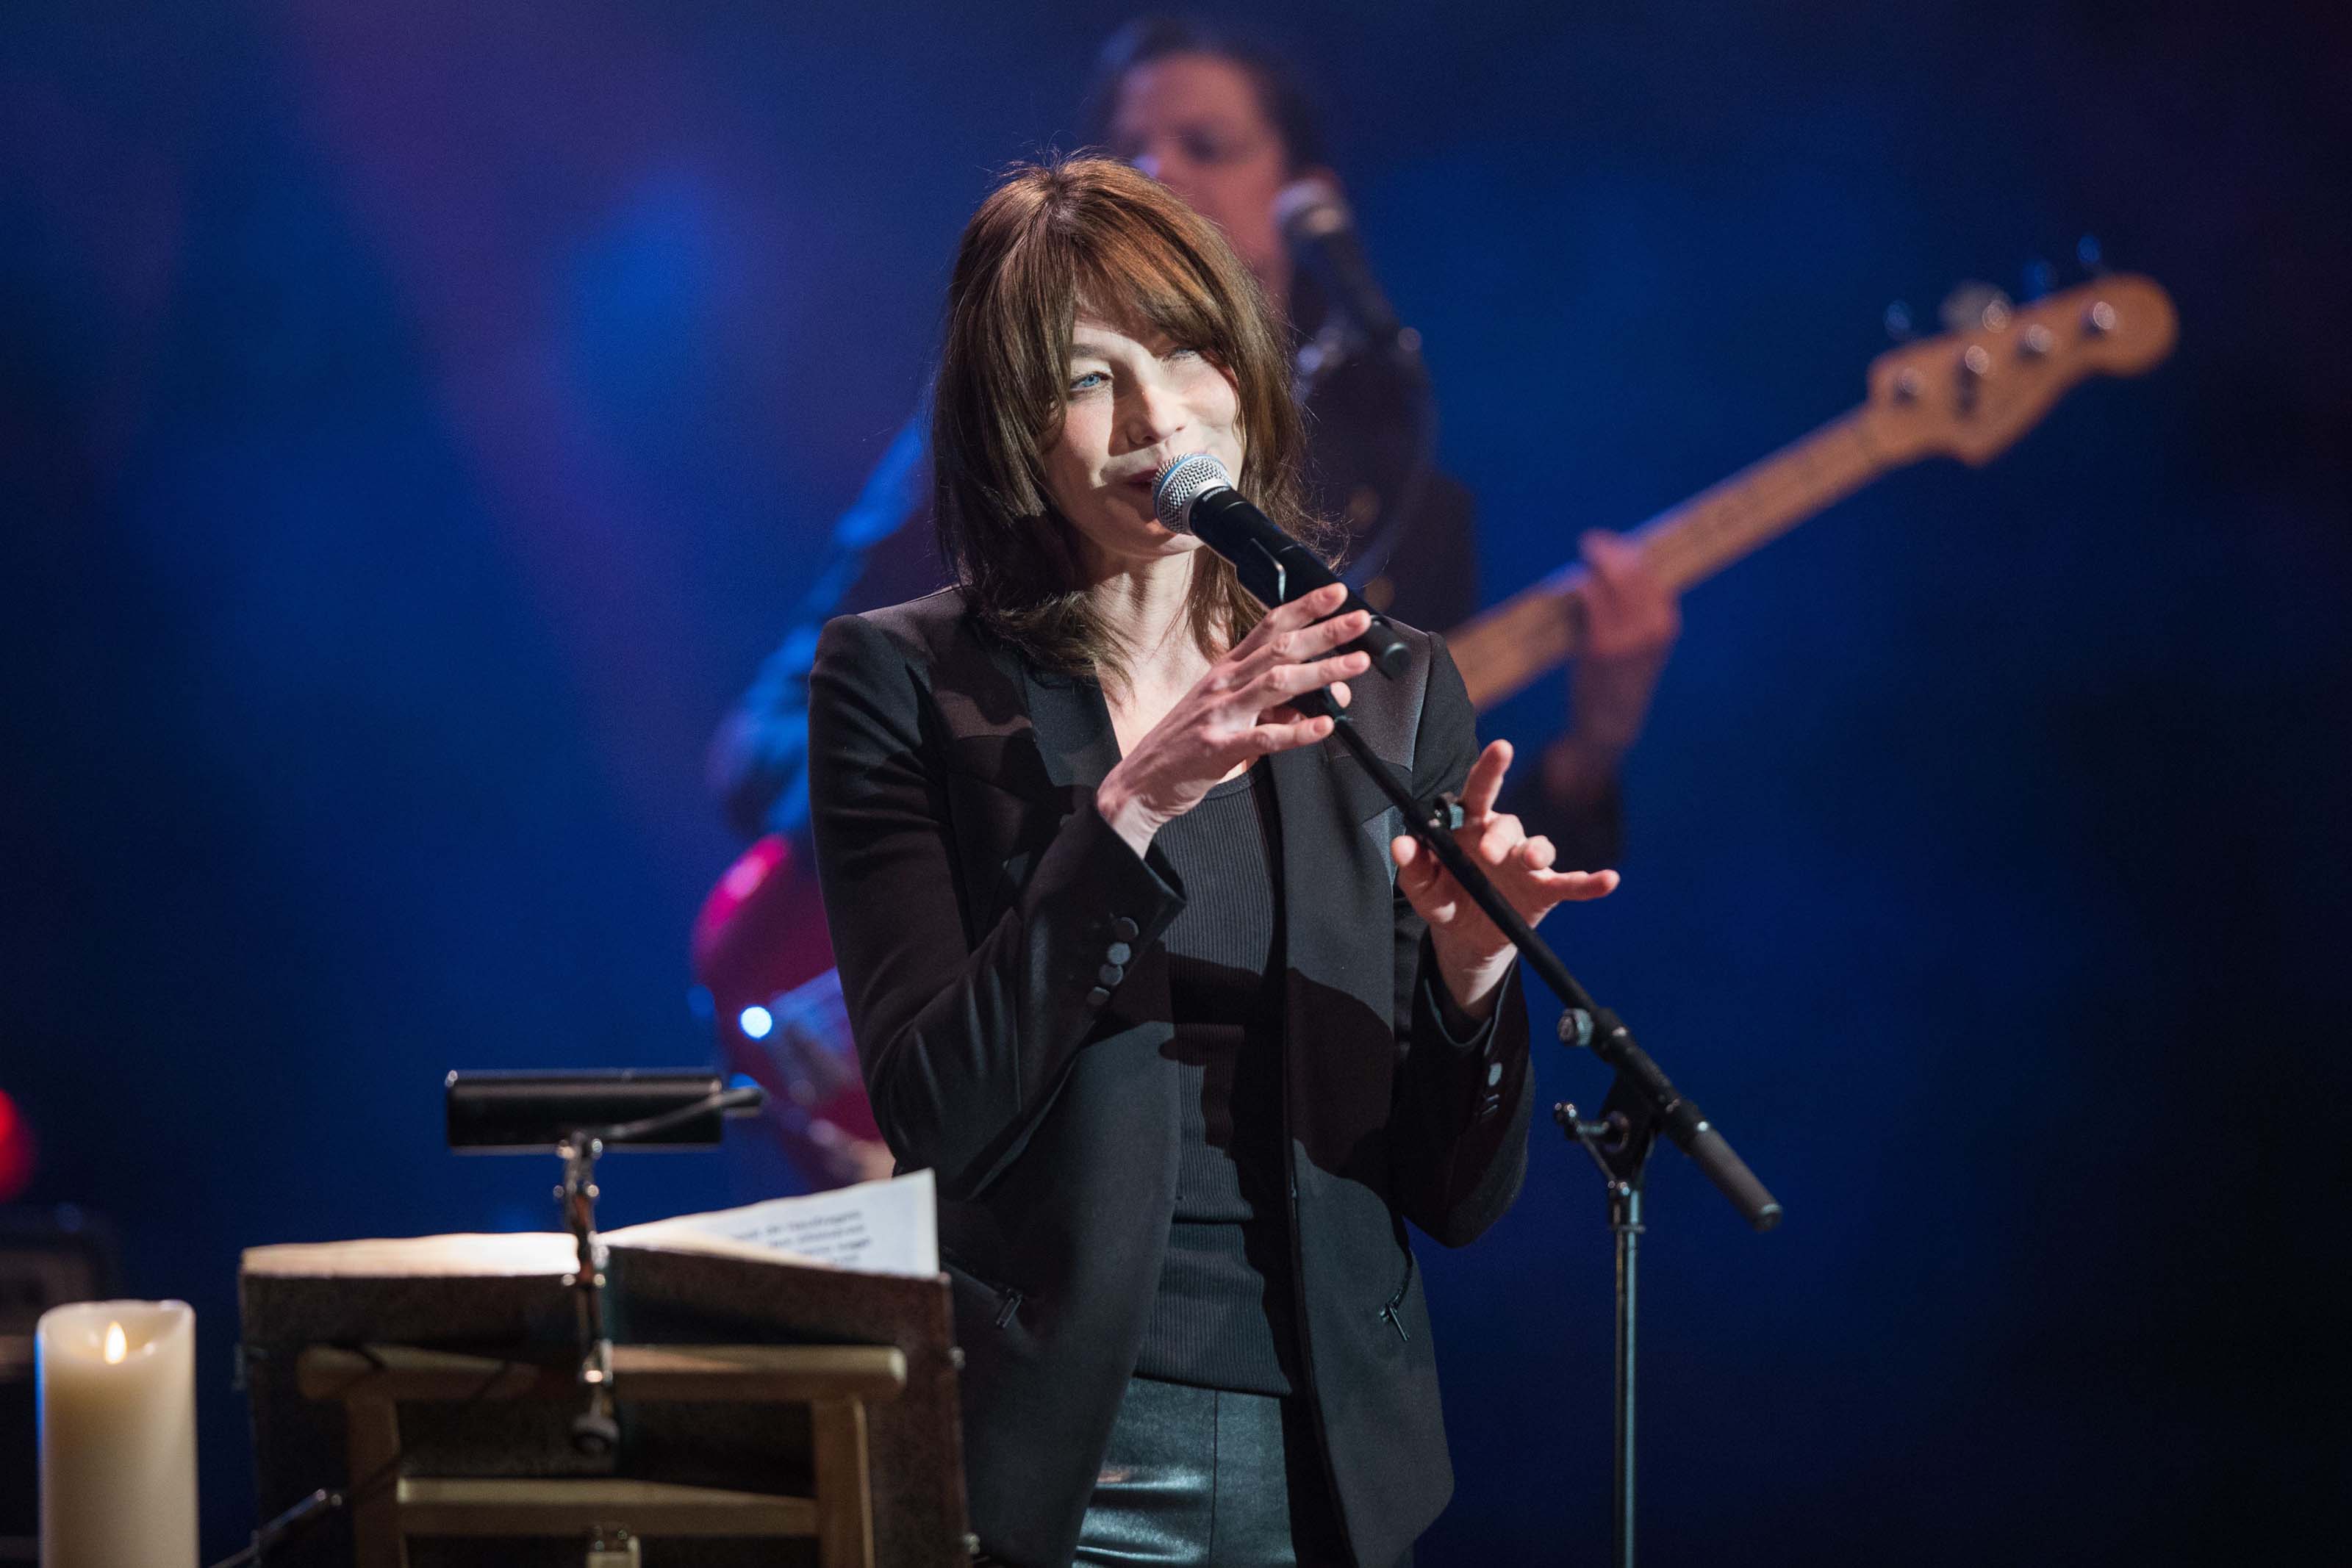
813, 1406
450, 1361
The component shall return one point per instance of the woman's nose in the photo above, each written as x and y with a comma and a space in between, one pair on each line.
1154, 412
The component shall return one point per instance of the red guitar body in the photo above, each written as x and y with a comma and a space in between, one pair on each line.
762, 933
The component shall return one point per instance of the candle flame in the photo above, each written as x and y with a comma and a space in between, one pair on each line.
116, 1345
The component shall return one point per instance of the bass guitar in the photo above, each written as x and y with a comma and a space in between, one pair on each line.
759, 944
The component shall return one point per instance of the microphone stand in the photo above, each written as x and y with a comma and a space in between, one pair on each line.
1359, 325
1642, 1101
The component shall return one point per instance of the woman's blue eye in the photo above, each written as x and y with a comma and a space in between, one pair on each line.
1089, 382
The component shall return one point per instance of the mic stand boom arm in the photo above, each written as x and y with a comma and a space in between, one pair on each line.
1588, 1024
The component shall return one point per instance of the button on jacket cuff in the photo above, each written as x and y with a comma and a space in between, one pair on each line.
1120, 900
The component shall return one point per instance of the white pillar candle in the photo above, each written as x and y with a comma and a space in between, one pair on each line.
117, 1401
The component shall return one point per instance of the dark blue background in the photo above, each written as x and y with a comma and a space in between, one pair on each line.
412, 424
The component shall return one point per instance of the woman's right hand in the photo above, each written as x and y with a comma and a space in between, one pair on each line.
1238, 711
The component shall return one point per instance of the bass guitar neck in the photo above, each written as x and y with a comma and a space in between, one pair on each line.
1504, 651
1968, 394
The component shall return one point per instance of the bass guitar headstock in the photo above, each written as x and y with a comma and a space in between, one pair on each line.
1970, 393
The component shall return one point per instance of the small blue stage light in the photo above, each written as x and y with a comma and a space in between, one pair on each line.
755, 1021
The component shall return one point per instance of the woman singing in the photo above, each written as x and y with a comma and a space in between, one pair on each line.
1138, 966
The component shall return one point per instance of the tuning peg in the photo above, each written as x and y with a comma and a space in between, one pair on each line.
2094, 259
1975, 305
1899, 322
2041, 277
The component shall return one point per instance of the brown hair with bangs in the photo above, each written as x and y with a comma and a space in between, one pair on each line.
1052, 236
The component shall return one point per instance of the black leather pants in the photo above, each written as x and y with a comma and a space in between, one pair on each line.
1206, 1479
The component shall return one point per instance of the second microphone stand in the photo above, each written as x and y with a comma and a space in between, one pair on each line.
1642, 1101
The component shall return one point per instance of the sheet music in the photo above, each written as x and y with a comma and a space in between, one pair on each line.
418, 1257
875, 1228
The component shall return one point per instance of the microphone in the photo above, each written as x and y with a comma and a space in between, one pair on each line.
1321, 229
1195, 496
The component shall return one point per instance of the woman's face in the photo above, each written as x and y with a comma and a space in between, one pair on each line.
1134, 402
1194, 123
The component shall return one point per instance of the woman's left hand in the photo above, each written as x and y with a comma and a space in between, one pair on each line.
1474, 957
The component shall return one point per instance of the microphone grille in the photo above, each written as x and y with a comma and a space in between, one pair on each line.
1183, 482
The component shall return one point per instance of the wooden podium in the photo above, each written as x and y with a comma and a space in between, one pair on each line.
772, 1413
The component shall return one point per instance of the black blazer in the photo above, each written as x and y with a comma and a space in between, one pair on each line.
999, 954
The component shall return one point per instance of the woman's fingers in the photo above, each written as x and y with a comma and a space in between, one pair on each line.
1285, 713
1552, 887
1417, 870
1532, 888
1251, 659
1579, 885
1312, 606
1268, 737
1300, 612
1289, 680
1485, 781
1303, 611
1327, 635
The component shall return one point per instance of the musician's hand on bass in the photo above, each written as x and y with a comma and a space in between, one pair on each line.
1631, 621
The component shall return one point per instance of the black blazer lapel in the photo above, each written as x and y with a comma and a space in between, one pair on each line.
1071, 726
1040, 736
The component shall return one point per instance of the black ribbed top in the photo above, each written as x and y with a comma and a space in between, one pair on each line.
1223, 1317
